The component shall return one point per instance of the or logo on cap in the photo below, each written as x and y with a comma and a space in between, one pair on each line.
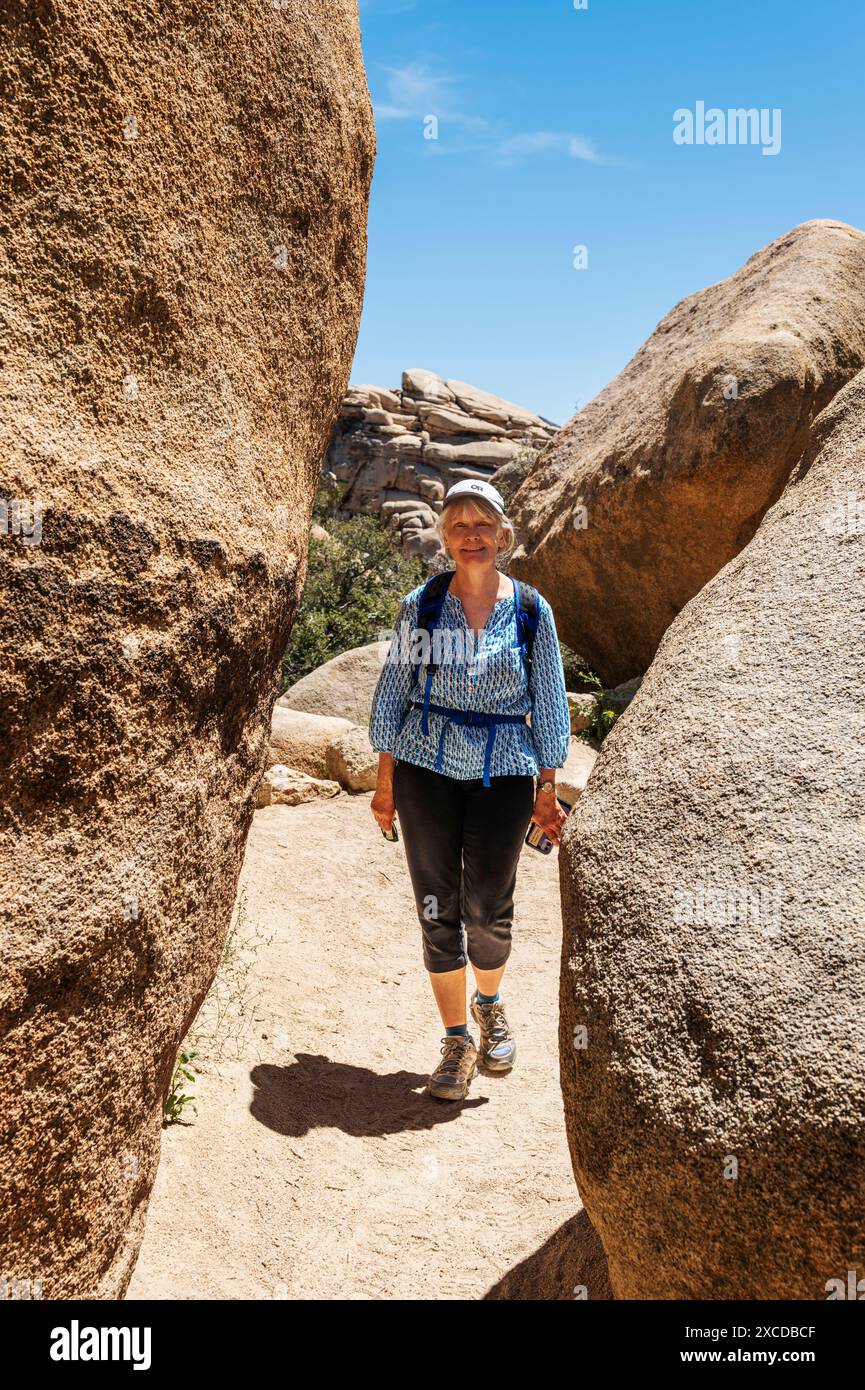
485, 490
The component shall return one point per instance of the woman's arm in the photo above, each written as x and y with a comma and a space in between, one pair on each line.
390, 702
382, 804
551, 717
385, 769
392, 694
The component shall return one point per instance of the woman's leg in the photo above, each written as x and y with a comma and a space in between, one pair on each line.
430, 810
449, 988
494, 828
488, 981
495, 822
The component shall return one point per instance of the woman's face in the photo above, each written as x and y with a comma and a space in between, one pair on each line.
472, 536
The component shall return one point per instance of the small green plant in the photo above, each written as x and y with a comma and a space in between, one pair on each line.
581, 679
579, 676
602, 720
586, 679
177, 1099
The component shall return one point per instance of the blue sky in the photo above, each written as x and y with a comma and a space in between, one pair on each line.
555, 130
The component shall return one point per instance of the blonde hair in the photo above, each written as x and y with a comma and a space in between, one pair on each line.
471, 508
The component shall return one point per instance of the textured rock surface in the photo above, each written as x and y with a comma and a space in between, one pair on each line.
676, 461
396, 453
353, 762
183, 233
342, 687
713, 882
287, 786
301, 740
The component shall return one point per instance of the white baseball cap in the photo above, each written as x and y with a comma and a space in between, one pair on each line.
474, 487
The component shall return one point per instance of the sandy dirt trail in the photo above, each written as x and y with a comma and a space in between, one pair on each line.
315, 1167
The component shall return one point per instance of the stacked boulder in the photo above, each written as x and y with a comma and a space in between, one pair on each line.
665, 476
397, 452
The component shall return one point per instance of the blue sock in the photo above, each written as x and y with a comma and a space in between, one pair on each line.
488, 998
460, 1030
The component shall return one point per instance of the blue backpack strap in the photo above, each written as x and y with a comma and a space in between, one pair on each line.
429, 610
528, 616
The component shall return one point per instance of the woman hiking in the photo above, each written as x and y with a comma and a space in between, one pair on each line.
458, 761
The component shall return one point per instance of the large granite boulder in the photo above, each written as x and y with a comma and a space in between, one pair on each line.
665, 476
342, 687
713, 879
353, 762
184, 241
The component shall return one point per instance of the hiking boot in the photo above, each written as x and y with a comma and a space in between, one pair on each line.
498, 1049
450, 1080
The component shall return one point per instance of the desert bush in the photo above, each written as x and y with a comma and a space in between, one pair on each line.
355, 581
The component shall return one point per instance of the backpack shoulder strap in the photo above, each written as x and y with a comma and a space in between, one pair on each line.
432, 599
429, 606
528, 615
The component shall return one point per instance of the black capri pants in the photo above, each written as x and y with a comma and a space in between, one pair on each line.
462, 845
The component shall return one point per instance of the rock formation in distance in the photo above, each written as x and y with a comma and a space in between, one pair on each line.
396, 453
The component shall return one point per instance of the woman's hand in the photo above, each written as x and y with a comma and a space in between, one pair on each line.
383, 808
549, 815
382, 804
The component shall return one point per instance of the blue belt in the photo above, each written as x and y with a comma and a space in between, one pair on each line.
475, 718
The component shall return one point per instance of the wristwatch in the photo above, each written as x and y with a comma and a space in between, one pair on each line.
547, 786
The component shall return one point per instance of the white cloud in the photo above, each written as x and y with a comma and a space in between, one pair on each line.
519, 147
415, 91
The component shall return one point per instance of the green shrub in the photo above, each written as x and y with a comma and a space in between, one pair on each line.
355, 582
581, 679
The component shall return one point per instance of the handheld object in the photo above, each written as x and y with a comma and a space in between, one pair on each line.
537, 838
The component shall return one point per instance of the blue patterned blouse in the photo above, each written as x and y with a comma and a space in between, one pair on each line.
478, 675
